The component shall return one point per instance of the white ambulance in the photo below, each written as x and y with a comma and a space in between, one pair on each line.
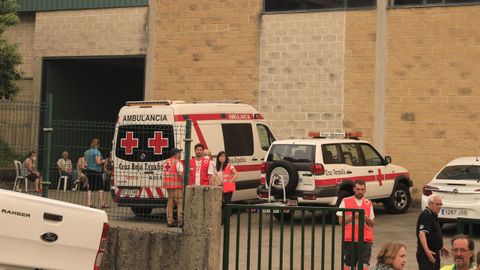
146, 131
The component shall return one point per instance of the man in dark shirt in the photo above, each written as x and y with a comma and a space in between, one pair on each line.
429, 236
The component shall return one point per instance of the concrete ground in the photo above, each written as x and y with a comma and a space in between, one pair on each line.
388, 227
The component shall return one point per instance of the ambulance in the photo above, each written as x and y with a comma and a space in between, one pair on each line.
146, 132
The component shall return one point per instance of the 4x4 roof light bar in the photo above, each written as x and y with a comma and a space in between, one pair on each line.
318, 134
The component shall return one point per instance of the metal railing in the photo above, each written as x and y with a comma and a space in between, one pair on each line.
288, 237
131, 190
30, 126
20, 123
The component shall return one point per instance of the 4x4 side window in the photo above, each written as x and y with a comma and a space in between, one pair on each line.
296, 153
331, 154
371, 156
265, 136
351, 154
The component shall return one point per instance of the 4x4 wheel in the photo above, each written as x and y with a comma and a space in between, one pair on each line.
282, 172
399, 201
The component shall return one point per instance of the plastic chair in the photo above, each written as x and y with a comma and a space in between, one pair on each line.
60, 178
19, 175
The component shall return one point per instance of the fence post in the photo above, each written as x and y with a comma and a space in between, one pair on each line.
186, 171
48, 129
361, 225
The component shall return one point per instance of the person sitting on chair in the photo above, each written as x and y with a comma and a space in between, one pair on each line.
30, 170
65, 167
81, 177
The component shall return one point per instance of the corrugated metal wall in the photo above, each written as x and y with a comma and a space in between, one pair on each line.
43, 5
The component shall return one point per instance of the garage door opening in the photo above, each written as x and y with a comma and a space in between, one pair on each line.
92, 89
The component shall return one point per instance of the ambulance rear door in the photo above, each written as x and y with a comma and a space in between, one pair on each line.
144, 139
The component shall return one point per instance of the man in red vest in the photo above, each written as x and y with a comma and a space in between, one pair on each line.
200, 170
351, 245
173, 183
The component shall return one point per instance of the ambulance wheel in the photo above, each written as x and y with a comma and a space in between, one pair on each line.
399, 201
342, 194
286, 216
140, 211
282, 171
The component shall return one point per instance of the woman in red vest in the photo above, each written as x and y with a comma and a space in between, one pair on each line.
227, 175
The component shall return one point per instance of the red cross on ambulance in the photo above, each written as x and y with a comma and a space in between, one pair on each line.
128, 143
158, 142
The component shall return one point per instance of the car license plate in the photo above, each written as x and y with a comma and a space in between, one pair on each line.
129, 193
451, 212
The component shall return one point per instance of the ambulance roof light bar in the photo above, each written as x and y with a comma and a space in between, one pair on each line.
153, 102
233, 101
324, 135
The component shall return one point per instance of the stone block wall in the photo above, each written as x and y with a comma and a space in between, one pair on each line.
358, 106
91, 32
207, 50
23, 35
302, 72
433, 97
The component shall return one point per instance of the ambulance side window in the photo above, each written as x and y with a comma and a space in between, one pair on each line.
265, 136
238, 139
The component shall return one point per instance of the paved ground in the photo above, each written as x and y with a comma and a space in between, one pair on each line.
389, 228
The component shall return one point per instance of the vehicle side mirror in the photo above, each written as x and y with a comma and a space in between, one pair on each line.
388, 159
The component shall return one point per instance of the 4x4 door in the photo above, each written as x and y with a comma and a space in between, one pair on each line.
355, 161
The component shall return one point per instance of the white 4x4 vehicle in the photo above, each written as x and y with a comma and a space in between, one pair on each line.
322, 171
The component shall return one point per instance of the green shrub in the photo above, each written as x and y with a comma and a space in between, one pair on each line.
7, 155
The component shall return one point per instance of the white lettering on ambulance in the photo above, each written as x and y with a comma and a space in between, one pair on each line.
239, 116
145, 117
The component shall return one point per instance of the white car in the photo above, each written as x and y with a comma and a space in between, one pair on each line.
458, 184
322, 171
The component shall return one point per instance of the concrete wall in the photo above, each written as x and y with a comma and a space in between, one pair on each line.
302, 72
207, 50
113, 31
433, 98
153, 246
23, 35
358, 105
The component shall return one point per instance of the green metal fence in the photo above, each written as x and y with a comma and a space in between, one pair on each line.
20, 123
287, 237
29, 126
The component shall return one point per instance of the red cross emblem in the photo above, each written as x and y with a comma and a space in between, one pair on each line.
158, 142
128, 143
167, 166
380, 177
